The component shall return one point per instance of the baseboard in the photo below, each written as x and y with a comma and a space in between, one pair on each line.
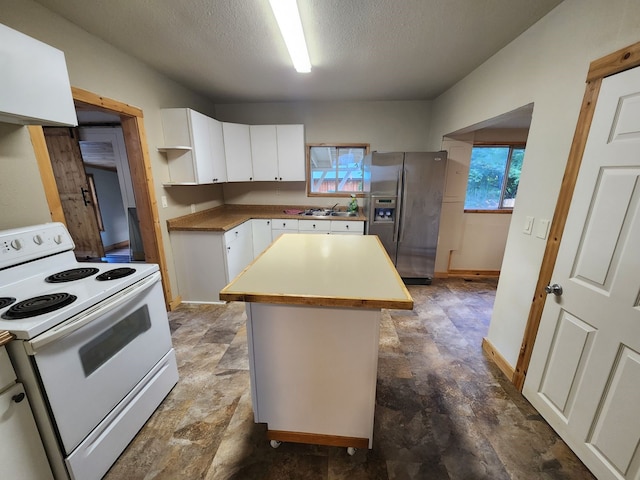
498, 359
474, 273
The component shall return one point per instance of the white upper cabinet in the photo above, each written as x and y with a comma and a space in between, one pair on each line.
217, 150
34, 82
264, 152
194, 148
237, 147
278, 152
291, 155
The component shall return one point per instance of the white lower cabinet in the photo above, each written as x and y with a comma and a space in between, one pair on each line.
314, 226
261, 230
280, 226
21, 452
206, 261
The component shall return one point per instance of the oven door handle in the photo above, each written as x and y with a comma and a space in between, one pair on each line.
78, 321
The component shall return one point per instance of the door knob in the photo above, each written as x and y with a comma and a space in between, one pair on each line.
555, 289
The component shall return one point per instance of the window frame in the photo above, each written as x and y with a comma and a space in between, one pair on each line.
511, 146
308, 147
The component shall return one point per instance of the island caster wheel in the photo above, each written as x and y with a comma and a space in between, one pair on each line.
351, 451
275, 443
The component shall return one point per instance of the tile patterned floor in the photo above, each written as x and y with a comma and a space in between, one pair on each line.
443, 410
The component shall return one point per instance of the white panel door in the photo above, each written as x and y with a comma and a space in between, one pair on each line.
584, 375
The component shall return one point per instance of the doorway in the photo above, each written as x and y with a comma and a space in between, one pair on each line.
131, 121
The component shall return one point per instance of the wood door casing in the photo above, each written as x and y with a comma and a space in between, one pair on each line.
618, 61
140, 164
75, 195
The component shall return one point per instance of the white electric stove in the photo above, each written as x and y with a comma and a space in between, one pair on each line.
92, 347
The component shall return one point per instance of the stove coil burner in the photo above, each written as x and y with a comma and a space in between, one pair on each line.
6, 301
71, 275
115, 273
38, 305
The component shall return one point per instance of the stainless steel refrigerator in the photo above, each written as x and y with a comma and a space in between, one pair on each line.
403, 206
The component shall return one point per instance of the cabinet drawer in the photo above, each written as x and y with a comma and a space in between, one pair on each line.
310, 226
346, 226
282, 224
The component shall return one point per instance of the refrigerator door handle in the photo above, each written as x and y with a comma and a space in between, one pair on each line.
403, 208
396, 226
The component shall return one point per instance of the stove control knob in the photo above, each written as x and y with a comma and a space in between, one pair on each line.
57, 239
37, 240
16, 244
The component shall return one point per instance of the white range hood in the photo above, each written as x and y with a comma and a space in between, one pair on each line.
34, 84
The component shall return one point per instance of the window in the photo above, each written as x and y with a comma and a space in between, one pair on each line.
336, 170
494, 174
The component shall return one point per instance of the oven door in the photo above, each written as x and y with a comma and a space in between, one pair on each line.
90, 362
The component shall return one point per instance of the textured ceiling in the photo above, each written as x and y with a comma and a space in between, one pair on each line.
231, 50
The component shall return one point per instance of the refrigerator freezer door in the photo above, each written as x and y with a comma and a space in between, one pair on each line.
421, 201
386, 170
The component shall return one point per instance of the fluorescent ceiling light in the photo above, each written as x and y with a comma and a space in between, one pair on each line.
286, 13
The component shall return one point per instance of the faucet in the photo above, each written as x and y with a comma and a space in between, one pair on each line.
332, 208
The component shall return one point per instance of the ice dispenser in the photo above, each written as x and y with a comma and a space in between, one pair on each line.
384, 209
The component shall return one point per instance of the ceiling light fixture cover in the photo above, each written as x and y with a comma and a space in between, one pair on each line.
288, 18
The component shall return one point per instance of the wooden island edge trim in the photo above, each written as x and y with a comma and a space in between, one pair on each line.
282, 299
317, 439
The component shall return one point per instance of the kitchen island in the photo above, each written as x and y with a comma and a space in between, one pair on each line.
313, 319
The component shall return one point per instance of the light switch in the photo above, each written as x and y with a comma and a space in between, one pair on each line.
542, 228
528, 225
164, 201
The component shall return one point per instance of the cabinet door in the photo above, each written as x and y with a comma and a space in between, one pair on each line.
217, 151
261, 230
239, 245
201, 143
237, 148
21, 452
199, 258
264, 152
291, 154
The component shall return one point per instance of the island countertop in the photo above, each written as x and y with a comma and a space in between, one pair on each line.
323, 271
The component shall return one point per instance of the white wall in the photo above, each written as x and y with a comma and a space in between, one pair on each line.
386, 126
546, 65
99, 68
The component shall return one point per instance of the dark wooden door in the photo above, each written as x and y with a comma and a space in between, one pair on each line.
79, 208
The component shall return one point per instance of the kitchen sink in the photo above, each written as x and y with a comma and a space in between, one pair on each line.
326, 213
343, 214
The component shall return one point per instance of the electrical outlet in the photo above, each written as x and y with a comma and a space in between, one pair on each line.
193, 208
164, 201
528, 225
